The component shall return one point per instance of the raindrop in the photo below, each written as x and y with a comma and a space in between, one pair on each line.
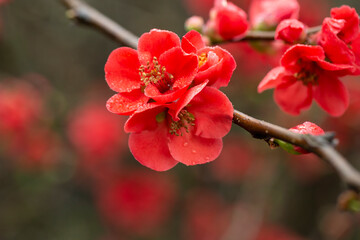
186, 144
193, 151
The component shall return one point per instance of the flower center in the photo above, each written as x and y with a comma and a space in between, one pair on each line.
307, 74
156, 74
186, 120
202, 59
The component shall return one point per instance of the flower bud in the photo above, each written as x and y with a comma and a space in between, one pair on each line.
229, 20
291, 31
194, 23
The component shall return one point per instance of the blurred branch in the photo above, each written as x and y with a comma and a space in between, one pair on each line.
269, 35
87, 15
319, 145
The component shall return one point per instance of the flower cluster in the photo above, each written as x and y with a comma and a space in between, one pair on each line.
170, 90
311, 70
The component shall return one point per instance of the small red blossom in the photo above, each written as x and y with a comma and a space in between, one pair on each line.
340, 37
215, 63
187, 131
159, 70
267, 14
306, 128
139, 202
228, 20
304, 75
291, 31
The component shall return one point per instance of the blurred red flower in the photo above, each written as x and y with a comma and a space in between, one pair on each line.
138, 203
206, 216
98, 138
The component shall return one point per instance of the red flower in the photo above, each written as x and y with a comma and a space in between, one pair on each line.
290, 30
267, 14
306, 128
98, 138
187, 131
95, 132
229, 21
13, 118
340, 37
232, 169
140, 202
303, 75
215, 63
207, 216
159, 70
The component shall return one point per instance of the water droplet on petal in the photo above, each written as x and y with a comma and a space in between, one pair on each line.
186, 144
207, 158
193, 151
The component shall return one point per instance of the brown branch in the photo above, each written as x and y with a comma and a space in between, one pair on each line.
269, 35
319, 145
85, 14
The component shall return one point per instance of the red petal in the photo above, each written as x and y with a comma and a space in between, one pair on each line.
351, 27
152, 92
181, 65
176, 107
122, 70
155, 43
192, 42
331, 95
293, 96
150, 148
126, 103
272, 79
299, 51
220, 69
213, 113
144, 118
336, 49
191, 150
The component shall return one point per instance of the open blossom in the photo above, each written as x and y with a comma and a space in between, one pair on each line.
305, 75
162, 69
227, 20
340, 37
159, 70
215, 63
188, 131
177, 113
267, 14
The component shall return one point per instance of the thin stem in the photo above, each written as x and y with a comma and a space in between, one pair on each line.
322, 146
319, 145
85, 14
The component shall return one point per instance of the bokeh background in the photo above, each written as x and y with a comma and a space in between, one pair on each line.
65, 168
